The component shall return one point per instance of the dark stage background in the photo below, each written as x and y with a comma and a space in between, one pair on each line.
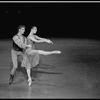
63, 20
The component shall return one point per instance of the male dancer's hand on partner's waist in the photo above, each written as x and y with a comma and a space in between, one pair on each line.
29, 46
24, 46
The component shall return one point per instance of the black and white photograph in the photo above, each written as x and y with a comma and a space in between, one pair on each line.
50, 49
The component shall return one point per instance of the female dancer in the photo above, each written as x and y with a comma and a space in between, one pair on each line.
31, 58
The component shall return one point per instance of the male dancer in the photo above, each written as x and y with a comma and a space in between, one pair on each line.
19, 44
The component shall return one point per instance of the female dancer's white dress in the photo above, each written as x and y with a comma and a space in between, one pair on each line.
30, 60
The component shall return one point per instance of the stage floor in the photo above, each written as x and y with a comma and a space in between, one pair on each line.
75, 73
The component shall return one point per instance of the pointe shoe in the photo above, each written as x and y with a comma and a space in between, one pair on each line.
29, 82
57, 52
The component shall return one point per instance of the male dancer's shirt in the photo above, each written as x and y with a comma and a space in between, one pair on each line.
18, 43
16, 47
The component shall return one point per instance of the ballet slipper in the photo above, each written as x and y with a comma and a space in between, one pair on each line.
29, 82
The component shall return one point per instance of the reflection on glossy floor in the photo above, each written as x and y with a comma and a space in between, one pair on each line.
72, 74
